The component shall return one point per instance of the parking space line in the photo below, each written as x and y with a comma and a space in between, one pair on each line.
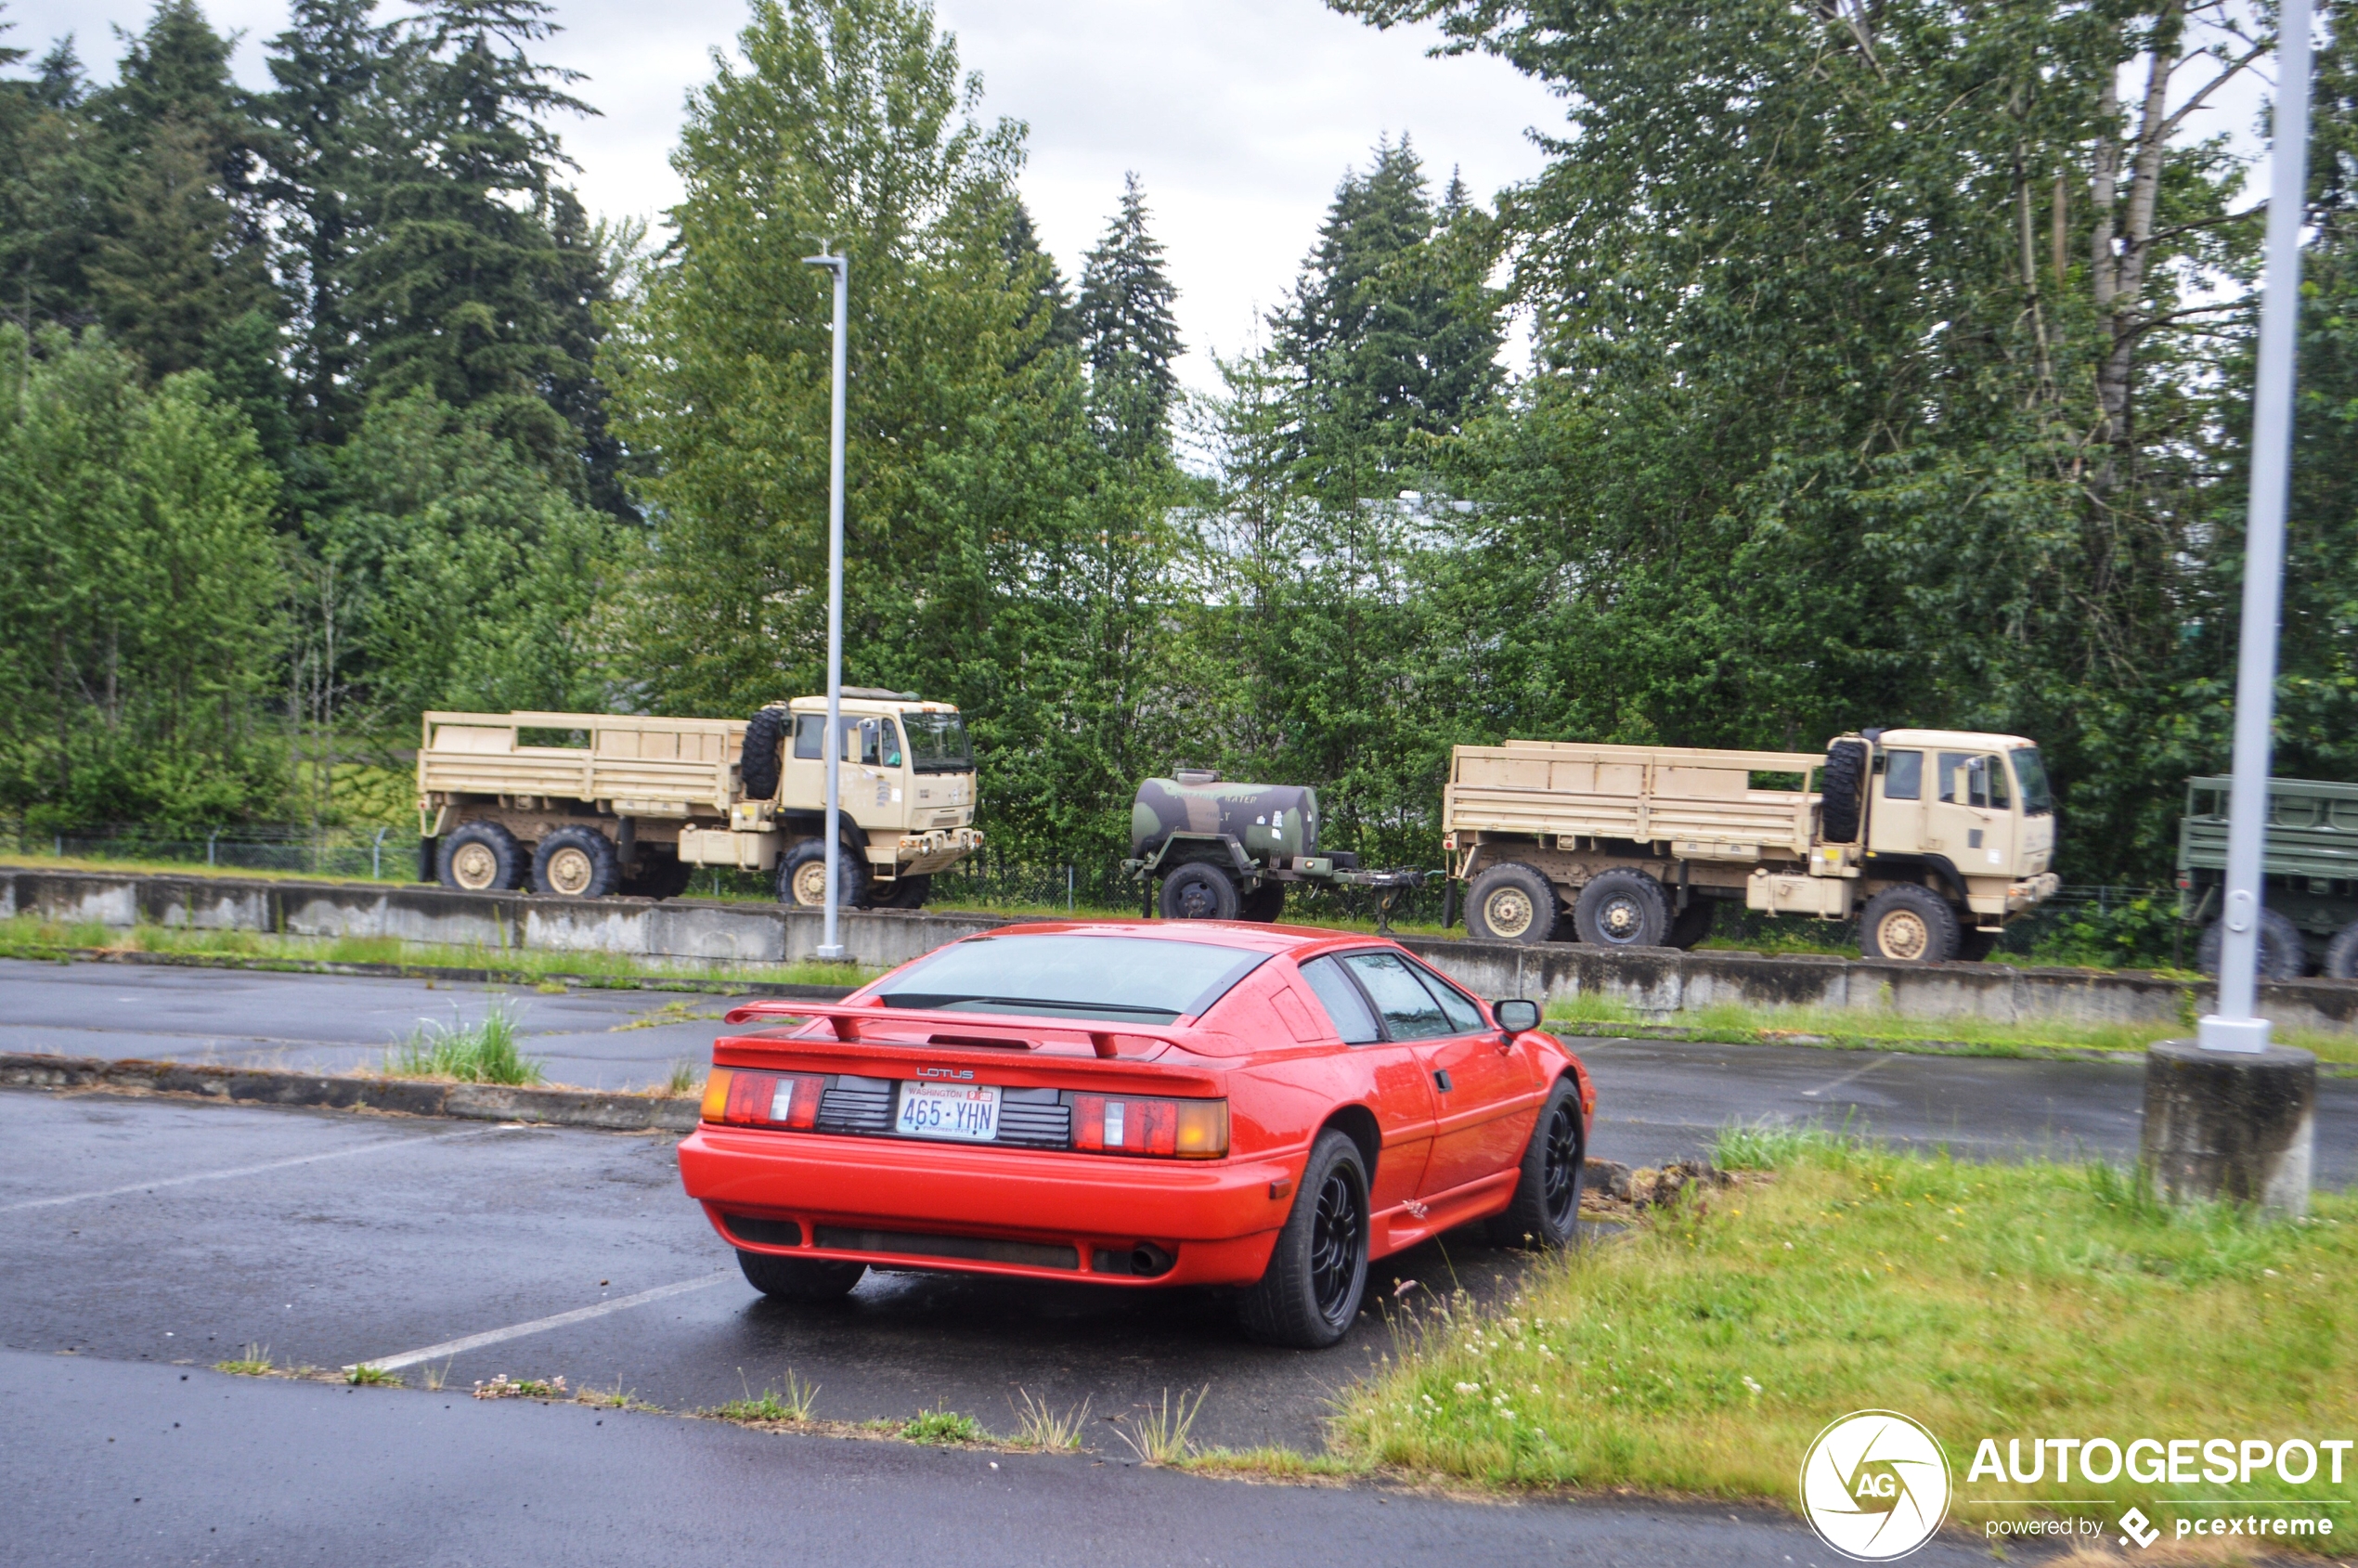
242, 1169
541, 1324
1860, 1073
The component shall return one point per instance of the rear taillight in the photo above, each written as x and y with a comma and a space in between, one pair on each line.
762, 1099
1171, 1129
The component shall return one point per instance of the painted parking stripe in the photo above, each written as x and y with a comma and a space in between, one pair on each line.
1860, 1073
541, 1324
243, 1170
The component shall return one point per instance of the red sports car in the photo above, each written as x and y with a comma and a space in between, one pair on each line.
1139, 1105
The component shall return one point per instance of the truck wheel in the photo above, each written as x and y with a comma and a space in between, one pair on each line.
1197, 891
2282, 956
802, 876
760, 762
1511, 902
1692, 926
1910, 924
1264, 903
1974, 946
482, 858
575, 863
2341, 954
908, 892
1845, 790
1623, 908
662, 876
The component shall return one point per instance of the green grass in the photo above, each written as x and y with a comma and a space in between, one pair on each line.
483, 1052
30, 934
1864, 1027
944, 1426
1701, 1352
364, 1376
254, 1362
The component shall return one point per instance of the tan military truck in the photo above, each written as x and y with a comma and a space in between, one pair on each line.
1936, 838
587, 804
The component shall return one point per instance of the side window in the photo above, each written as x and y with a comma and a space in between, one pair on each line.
1952, 777
1464, 1016
808, 726
1994, 770
1346, 1007
1407, 1008
887, 744
1903, 777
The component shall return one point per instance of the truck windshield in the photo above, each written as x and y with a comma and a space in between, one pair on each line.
938, 743
2031, 772
1137, 980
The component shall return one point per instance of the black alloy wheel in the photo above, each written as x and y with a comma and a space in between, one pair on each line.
1338, 1247
1545, 1211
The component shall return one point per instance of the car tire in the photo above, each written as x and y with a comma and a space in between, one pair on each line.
1263, 904
575, 863
762, 760
1693, 924
482, 858
1511, 902
802, 876
2341, 954
1197, 891
1623, 908
799, 1280
1546, 1209
1317, 1272
2282, 954
1909, 925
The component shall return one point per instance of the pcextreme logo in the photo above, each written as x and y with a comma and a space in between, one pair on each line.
1874, 1486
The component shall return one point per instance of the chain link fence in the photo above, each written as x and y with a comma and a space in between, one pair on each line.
374, 854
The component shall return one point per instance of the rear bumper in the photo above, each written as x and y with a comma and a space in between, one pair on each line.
1217, 1219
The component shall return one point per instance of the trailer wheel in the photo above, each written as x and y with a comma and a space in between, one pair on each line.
2282, 957
1511, 902
1975, 945
575, 863
1264, 903
1910, 924
1197, 891
2341, 954
760, 762
482, 858
802, 876
1623, 908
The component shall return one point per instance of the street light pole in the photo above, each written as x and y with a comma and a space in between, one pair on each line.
2233, 1027
831, 941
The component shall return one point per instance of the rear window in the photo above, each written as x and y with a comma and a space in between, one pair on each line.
1133, 979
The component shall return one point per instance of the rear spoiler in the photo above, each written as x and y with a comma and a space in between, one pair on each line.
989, 1030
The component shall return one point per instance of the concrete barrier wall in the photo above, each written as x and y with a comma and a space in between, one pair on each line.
1660, 983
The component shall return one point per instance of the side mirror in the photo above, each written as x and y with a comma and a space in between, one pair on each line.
1516, 1015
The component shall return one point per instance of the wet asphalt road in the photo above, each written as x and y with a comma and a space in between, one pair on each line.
126, 1464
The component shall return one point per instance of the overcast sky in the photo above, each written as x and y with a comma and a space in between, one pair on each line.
1239, 115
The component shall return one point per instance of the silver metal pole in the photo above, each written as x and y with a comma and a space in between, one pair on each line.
831, 942
2233, 1027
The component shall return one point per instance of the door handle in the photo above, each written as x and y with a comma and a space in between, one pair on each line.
1441, 1079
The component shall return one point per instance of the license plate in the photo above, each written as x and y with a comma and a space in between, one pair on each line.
967, 1112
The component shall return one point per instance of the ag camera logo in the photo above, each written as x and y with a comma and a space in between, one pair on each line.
1874, 1486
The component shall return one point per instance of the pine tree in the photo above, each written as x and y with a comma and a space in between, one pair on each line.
50, 193
1033, 270
1127, 332
183, 248
327, 113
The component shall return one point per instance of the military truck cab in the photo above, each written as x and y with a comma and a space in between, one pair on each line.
1967, 814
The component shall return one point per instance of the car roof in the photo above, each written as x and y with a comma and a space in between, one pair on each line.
1248, 936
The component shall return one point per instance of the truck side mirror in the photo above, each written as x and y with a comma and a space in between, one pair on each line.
1515, 1015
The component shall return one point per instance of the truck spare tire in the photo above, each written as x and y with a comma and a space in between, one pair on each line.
1846, 789
759, 763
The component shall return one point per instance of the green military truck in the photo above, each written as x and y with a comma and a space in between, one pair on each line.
2309, 913
1224, 850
